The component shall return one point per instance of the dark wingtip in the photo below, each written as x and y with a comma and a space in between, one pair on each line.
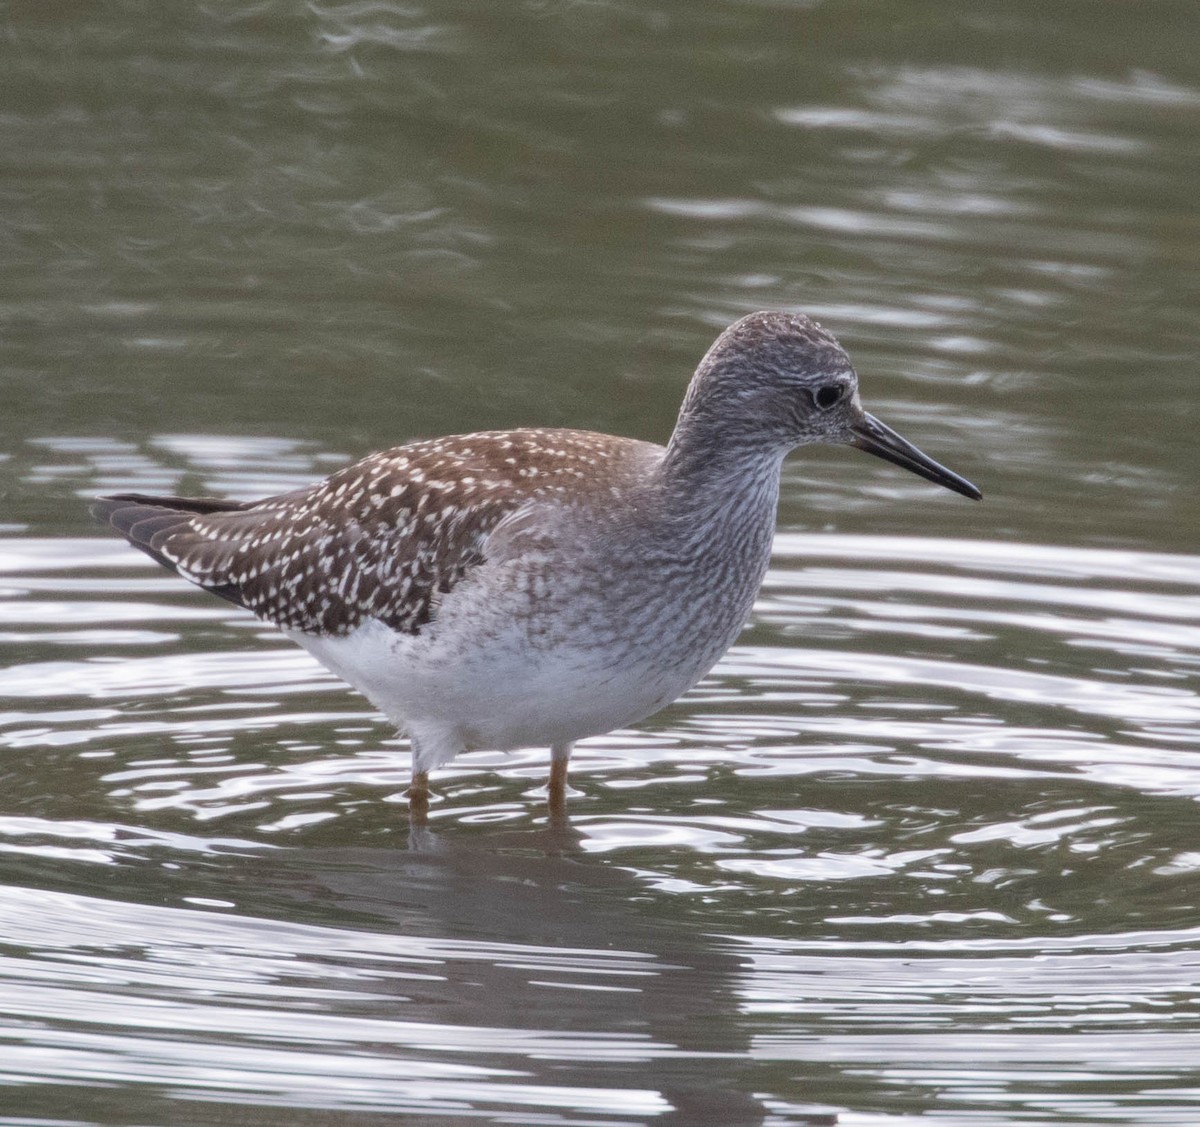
145, 521
114, 509
107, 508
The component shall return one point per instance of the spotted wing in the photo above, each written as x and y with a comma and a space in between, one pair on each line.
304, 569
385, 538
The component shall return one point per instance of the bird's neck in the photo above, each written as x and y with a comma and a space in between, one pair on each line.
721, 487
708, 450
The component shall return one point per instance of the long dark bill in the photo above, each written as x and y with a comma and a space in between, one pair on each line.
872, 436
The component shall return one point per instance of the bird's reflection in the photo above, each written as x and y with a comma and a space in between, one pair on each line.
551, 940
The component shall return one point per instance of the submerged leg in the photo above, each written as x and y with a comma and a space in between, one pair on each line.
418, 798
418, 789
560, 758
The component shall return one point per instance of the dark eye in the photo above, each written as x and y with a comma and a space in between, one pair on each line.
825, 397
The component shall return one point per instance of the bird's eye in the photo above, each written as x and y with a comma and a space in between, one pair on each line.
825, 397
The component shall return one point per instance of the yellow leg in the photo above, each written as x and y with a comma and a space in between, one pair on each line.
418, 796
560, 759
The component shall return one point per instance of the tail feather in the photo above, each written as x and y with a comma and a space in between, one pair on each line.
108, 509
145, 521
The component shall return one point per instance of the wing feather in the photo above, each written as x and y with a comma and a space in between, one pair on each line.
384, 538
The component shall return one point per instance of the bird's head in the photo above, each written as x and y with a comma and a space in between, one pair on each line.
774, 381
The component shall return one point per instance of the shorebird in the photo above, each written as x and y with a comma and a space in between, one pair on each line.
529, 588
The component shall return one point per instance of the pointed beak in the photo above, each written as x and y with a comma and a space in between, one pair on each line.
875, 438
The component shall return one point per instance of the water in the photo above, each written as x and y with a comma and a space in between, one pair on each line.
922, 847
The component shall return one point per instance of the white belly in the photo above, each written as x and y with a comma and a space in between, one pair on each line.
502, 695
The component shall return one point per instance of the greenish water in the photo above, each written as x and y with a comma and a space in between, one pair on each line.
923, 847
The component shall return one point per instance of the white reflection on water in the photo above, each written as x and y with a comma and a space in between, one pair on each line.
247, 1010
1050, 663
972, 766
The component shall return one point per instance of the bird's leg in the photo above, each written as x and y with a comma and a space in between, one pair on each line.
560, 758
418, 797
418, 789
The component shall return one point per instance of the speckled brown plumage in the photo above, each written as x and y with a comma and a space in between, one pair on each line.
384, 538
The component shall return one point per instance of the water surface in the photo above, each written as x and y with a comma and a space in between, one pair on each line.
923, 845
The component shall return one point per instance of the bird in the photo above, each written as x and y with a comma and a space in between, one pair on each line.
534, 587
